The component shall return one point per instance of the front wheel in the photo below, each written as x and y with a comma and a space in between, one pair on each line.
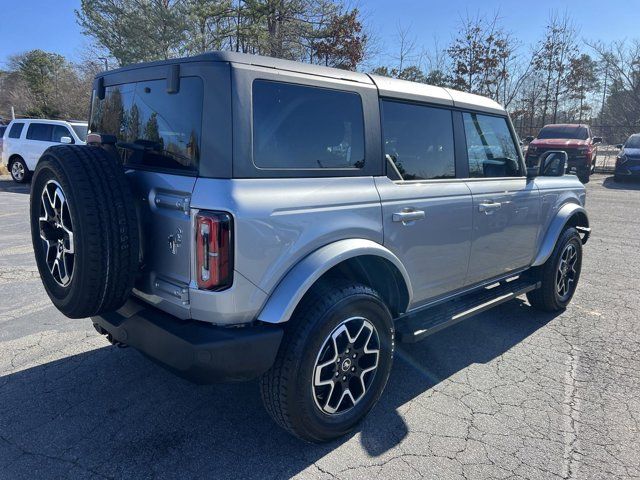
333, 364
584, 175
559, 274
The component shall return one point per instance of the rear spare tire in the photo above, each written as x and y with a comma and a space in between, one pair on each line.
84, 230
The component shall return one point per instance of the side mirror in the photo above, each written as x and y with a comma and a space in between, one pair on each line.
597, 140
533, 172
528, 139
66, 140
554, 163
619, 146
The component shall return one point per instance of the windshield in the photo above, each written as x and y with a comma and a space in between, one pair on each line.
575, 132
633, 142
81, 131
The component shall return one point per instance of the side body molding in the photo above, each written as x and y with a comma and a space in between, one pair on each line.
300, 278
555, 228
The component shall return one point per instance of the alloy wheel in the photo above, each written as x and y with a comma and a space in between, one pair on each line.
56, 232
17, 171
346, 365
566, 273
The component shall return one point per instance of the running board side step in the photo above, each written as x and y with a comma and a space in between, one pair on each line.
414, 327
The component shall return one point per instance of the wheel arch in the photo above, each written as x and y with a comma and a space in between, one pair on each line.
569, 215
13, 157
360, 260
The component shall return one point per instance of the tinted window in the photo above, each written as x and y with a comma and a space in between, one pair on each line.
418, 140
490, 146
153, 128
301, 127
16, 130
58, 132
575, 132
39, 131
3, 129
81, 131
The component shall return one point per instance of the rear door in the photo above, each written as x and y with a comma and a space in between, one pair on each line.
158, 134
506, 206
426, 210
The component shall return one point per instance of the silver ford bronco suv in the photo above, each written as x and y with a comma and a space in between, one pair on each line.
236, 217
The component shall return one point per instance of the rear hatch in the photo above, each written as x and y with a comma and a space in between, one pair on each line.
163, 205
156, 132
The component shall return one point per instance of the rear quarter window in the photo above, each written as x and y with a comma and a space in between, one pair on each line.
299, 127
16, 130
153, 128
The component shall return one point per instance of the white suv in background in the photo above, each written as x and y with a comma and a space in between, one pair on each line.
25, 140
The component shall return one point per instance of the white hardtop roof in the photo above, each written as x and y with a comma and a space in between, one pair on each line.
388, 87
405, 90
50, 121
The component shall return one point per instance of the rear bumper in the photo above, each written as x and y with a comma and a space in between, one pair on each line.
197, 351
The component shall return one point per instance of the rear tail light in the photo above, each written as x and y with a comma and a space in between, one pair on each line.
214, 256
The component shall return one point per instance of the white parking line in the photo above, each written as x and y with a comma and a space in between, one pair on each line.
16, 250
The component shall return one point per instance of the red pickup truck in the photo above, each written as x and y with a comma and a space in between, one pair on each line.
576, 140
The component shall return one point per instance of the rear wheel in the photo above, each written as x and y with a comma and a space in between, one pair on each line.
19, 171
333, 364
84, 230
559, 274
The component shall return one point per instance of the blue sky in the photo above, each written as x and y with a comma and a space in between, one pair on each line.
50, 25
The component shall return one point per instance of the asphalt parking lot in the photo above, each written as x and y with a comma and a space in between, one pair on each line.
512, 393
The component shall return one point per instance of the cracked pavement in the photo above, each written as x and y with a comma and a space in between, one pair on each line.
512, 393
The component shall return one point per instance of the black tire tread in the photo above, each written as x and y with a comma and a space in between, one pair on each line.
106, 211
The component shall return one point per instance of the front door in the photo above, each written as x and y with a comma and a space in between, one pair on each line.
426, 211
506, 206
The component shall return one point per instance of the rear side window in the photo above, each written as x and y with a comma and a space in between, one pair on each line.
16, 130
491, 149
153, 128
418, 141
40, 132
301, 127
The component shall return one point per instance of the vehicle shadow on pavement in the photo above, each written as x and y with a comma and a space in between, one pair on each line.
110, 412
8, 185
626, 184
